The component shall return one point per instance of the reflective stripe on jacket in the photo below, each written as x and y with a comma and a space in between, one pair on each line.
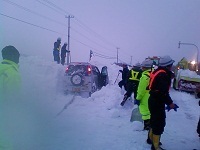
153, 75
134, 75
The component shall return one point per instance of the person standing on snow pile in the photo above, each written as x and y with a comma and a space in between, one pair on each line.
124, 72
10, 79
63, 53
143, 92
160, 82
133, 81
56, 50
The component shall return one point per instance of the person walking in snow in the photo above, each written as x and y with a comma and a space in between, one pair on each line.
56, 50
160, 82
143, 92
10, 79
124, 72
63, 53
132, 84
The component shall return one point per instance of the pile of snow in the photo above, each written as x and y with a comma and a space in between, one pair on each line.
188, 73
47, 119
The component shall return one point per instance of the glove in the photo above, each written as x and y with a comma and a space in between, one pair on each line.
120, 71
136, 102
172, 106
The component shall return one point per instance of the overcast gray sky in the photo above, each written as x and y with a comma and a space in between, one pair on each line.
140, 28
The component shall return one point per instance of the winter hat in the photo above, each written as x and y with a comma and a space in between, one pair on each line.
147, 63
11, 53
137, 65
165, 61
59, 39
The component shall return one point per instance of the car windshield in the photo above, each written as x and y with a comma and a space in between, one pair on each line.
72, 69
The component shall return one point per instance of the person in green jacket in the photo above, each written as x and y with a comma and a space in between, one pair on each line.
10, 82
10, 79
143, 92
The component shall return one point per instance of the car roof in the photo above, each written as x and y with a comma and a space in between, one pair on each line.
79, 63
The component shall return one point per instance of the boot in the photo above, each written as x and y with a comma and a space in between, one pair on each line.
155, 144
124, 100
150, 137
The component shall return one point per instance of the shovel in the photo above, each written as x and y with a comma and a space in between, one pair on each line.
135, 115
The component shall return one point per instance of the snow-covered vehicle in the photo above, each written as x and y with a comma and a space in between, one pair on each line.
83, 77
186, 79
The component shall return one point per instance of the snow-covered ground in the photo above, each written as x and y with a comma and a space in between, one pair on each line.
38, 121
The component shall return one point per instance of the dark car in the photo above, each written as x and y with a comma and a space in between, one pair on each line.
83, 77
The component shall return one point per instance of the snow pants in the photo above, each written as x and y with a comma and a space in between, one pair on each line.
158, 115
122, 83
132, 87
56, 56
62, 60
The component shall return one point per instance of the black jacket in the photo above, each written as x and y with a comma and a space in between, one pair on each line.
63, 50
124, 72
161, 85
159, 92
57, 45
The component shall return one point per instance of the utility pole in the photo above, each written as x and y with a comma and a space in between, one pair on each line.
68, 54
117, 54
131, 60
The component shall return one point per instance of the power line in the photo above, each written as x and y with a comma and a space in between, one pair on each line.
103, 55
90, 39
58, 8
96, 34
30, 11
32, 24
97, 54
52, 6
82, 24
49, 7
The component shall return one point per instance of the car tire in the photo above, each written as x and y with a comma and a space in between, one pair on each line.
77, 79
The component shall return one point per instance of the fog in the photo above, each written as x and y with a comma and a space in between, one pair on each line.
138, 28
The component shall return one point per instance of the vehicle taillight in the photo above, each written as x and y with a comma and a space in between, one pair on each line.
66, 69
89, 70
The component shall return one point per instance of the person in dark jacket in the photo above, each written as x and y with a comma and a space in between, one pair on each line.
124, 72
63, 53
56, 50
198, 126
160, 82
134, 76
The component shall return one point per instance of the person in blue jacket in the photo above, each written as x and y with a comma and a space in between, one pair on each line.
56, 50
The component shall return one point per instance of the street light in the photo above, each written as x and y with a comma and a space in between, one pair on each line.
179, 44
